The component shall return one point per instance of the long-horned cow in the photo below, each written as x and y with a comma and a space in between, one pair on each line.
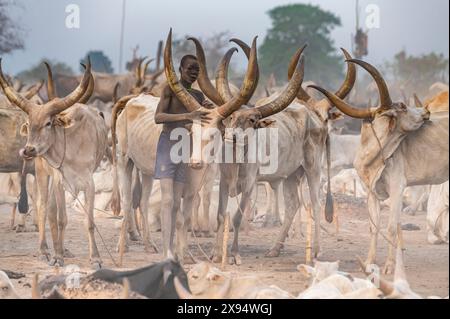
67, 140
302, 141
239, 177
400, 146
137, 137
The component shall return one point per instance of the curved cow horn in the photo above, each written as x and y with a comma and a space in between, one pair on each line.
288, 95
247, 51
180, 91
115, 93
417, 101
182, 292
385, 98
302, 94
137, 72
14, 97
144, 70
343, 106
222, 76
90, 89
350, 77
34, 90
248, 86
203, 79
51, 91
59, 105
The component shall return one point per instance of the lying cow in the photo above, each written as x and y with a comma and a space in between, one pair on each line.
7, 290
437, 214
208, 282
327, 282
347, 182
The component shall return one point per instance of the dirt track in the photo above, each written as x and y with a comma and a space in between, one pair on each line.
427, 265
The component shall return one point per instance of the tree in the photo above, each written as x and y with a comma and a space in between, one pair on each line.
39, 72
415, 74
100, 62
293, 26
10, 32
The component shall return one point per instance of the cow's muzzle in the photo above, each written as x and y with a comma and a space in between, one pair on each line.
28, 152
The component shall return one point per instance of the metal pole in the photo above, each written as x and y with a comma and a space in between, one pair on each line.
122, 32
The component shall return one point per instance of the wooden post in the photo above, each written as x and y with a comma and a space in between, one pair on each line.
225, 239
336, 220
158, 56
354, 188
308, 259
400, 236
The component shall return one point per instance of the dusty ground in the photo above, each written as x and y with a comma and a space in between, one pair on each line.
427, 265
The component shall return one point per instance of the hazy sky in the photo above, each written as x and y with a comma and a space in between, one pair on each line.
419, 26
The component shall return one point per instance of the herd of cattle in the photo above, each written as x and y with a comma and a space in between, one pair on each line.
101, 138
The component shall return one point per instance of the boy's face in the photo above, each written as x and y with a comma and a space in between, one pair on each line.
190, 71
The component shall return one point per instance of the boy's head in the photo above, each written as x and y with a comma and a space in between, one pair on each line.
189, 68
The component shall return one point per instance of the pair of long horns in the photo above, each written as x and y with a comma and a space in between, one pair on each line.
345, 88
55, 106
385, 99
141, 70
225, 107
223, 93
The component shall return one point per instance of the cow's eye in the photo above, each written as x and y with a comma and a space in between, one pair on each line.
5, 288
252, 121
194, 277
48, 124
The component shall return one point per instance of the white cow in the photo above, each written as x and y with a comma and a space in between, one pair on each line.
437, 214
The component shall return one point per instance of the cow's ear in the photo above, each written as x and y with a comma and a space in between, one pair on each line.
306, 270
63, 121
392, 123
24, 129
264, 123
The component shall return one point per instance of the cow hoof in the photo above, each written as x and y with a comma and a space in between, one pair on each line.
57, 262
44, 257
388, 268
134, 236
125, 248
216, 258
274, 252
20, 229
235, 260
68, 254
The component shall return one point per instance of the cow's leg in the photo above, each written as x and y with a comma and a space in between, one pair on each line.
147, 184
292, 204
206, 201
273, 216
373, 205
244, 206
313, 177
167, 216
94, 255
221, 212
396, 188
42, 181
125, 174
58, 222
195, 225
136, 190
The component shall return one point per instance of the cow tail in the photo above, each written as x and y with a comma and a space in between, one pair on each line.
329, 207
137, 191
23, 198
115, 196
